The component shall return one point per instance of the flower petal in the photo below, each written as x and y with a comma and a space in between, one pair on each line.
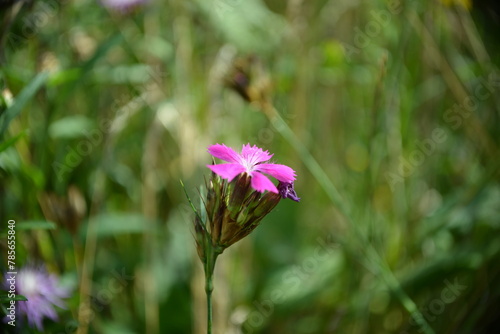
253, 155
280, 172
261, 183
224, 153
227, 171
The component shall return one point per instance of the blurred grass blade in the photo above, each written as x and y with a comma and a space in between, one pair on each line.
11, 141
86, 69
20, 101
310, 162
113, 224
36, 225
69, 127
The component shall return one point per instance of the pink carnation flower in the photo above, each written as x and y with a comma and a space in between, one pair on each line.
250, 161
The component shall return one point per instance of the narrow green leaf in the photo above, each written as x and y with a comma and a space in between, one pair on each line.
190, 202
64, 76
115, 224
36, 225
21, 99
4, 298
11, 141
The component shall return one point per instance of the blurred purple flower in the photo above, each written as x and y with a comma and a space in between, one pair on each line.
123, 5
43, 291
250, 161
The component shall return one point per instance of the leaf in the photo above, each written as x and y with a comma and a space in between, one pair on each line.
301, 281
21, 99
36, 225
249, 25
157, 46
138, 74
190, 202
4, 298
70, 127
11, 141
109, 327
64, 76
115, 224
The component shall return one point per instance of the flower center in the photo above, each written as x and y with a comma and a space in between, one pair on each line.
248, 164
29, 285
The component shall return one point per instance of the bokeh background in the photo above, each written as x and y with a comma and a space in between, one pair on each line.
387, 110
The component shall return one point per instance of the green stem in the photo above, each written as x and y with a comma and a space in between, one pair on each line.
209, 310
211, 257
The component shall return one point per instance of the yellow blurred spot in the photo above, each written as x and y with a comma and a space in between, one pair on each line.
83, 43
357, 157
7, 97
49, 62
333, 53
467, 4
382, 198
379, 302
393, 320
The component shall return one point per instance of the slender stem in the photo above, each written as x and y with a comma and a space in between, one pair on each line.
211, 257
209, 307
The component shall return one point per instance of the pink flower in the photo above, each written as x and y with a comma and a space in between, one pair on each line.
251, 161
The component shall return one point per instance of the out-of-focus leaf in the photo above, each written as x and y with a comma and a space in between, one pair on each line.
115, 224
489, 207
34, 174
21, 99
304, 278
158, 47
35, 225
249, 25
65, 76
115, 328
11, 141
449, 265
10, 161
175, 250
70, 127
4, 298
137, 74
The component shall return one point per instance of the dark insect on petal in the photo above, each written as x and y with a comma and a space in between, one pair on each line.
287, 191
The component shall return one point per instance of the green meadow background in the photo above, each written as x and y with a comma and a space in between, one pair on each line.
388, 111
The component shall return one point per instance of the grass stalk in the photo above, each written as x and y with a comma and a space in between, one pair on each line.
342, 205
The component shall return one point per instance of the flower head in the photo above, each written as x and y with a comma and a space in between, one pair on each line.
236, 199
251, 161
42, 291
